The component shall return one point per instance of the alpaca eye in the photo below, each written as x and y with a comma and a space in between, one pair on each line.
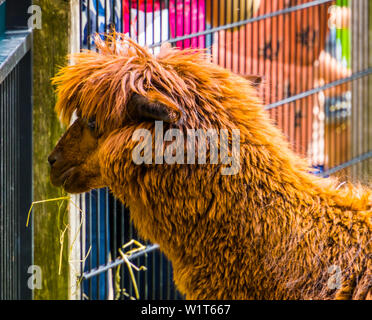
92, 124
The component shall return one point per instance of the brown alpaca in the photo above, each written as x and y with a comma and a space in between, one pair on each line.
271, 231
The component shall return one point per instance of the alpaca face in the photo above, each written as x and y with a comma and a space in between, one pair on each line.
125, 88
74, 160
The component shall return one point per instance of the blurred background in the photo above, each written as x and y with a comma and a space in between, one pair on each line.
316, 64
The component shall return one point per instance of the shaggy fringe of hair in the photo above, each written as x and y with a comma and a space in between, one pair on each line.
100, 83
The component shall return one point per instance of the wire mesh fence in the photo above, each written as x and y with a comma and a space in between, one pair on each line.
316, 67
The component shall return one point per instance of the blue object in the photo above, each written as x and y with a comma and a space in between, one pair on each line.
2, 17
90, 26
97, 227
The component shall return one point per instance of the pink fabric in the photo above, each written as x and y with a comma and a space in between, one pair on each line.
190, 19
183, 20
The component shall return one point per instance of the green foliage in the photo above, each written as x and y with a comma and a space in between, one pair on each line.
50, 50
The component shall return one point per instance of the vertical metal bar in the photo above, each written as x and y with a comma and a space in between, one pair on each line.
205, 23
105, 10
119, 27
17, 151
231, 37
137, 15
97, 16
2, 234
80, 24
169, 19
9, 180
8, 240
219, 32
98, 237
369, 89
225, 35
251, 46
356, 84
10, 184
153, 23
13, 249
16, 218
197, 21
82, 246
292, 81
240, 7
130, 18
90, 232
169, 293
302, 106
309, 84
111, 234
262, 45
327, 120
314, 102
4, 206
152, 289
332, 123
125, 282
347, 140
183, 22
366, 55
3, 190
175, 19
3, 170
280, 64
190, 42
211, 35
7, 155
88, 25
144, 22
339, 100
332, 103
365, 51
274, 37
161, 5
107, 236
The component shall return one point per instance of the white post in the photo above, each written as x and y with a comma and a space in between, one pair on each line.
76, 218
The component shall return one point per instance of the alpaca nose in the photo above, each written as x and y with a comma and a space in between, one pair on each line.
52, 159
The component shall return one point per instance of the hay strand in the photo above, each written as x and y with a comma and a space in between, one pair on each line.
42, 201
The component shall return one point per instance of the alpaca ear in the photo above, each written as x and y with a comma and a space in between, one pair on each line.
139, 107
255, 80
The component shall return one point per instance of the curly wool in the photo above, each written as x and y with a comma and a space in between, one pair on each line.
273, 231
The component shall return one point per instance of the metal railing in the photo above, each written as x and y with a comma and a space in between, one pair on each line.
16, 163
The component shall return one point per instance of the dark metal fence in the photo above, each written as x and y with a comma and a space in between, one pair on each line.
315, 60
107, 228
15, 160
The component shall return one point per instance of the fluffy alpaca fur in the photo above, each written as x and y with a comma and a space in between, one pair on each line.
273, 231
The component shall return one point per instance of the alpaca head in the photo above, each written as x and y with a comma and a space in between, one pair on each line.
75, 161
122, 87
